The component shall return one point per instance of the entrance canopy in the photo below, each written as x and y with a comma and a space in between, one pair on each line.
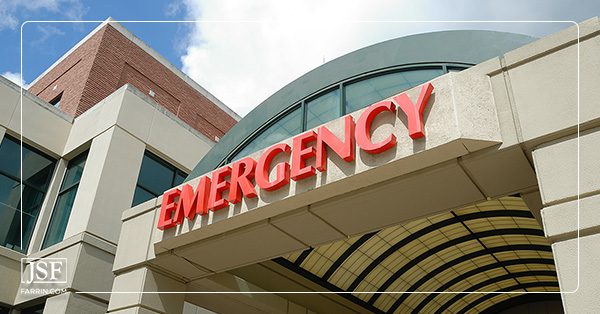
493, 246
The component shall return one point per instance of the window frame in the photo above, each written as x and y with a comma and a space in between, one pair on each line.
175, 171
64, 191
55, 102
306, 101
266, 126
384, 72
23, 184
341, 85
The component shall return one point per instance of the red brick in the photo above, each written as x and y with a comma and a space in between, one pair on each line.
109, 60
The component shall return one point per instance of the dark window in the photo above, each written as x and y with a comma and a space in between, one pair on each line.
56, 101
179, 178
288, 125
322, 109
368, 91
37, 172
456, 69
64, 202
156, 176
36, 309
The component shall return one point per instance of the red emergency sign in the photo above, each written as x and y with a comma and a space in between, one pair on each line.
229, 184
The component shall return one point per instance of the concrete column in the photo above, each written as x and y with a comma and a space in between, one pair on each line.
577, 258
128, 293
107, 185
73, 303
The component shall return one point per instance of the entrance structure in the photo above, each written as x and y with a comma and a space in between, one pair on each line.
460, 209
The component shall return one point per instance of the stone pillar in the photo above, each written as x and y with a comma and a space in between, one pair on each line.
107, 184
73, 303
139, 290
575, 240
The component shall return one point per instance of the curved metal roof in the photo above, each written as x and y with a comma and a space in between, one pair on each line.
468, 47
492, 246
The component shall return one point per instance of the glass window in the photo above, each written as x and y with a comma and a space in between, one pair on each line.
288, 125
179, 178
14, 211
456, 69
56, 101
156, 176
141, 196
64, 202
373, 89
323, 109
4, 310
327, 106
36, 309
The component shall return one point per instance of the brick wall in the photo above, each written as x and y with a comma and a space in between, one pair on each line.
107, 61
69, 76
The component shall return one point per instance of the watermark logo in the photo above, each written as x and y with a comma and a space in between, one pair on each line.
43, 270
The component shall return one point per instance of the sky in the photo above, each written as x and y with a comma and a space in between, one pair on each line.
244, 51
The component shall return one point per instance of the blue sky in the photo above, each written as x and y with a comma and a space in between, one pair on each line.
44, 43
242, 63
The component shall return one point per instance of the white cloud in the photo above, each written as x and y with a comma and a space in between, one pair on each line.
172, 8
11, 9
15, 77
244, 51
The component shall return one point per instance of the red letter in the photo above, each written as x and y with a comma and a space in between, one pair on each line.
414, 113
264, 163
363, 128
218, 186
165, 219
343, 149
301, 152
241, 174
191, 203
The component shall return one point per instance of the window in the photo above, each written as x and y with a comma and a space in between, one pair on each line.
288, 125
36, 309
357, 93
4, 310
64, 202
37, 172
370, 90
56, 101
156, 176
456, 69
323, 109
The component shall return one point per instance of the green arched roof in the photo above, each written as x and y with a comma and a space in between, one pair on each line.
468, 47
